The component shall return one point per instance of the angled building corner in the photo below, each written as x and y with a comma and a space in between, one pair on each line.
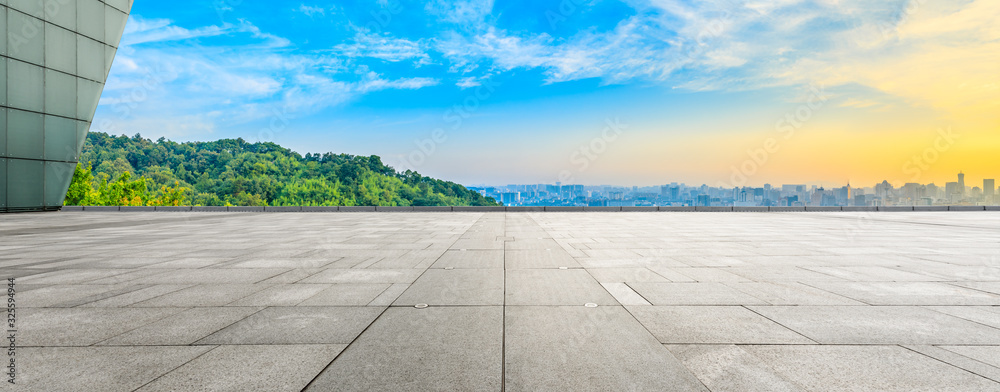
54, 60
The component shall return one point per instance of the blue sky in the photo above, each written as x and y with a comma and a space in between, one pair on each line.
483, 91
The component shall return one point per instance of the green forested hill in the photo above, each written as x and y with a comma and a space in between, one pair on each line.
135, 171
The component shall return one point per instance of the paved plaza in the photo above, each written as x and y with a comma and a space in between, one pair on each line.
652, 301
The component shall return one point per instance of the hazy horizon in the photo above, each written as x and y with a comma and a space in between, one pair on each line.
523, 92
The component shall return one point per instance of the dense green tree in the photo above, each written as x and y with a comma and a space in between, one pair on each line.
235, 172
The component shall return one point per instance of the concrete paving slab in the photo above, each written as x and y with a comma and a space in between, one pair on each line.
135, 296
188, 262
704, 274
293, 276
779, 274
989, 287
554, 257
250, 368
554, 287
989, 355
479, 243
48, 369
455, 287
624, 294
472, 258
55, 295
873, 274
908, 293
389, 295
212, 276
872, 368
729, 368
297, 325
625, 275
703, 293
181, 328
281, 295
879, 325
587, 349
41, 327
960, 361
202, 295
670, 273
713, 325
791, 293
346, 294
437, 348
364, 276
304, 262
531, 243
987, 315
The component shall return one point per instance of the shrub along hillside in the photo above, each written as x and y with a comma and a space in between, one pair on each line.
135, 171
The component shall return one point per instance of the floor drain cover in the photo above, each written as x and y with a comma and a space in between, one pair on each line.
590, 305
421, 306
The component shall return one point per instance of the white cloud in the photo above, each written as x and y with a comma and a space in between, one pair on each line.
311, 11
459, 11
140, 31
162, 85
367, 44
468, 82
937, 54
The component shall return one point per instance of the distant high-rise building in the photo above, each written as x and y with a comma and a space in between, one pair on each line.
951, 191
704, 200
913, 192
933, 191
884, 190
961, 183
989, 189
510, 197
861, 200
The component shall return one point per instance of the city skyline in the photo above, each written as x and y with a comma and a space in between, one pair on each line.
885, 193
782, 93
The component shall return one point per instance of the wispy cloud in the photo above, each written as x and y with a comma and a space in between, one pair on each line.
936, 55
464, 12
311, 11
165, 82
383, 47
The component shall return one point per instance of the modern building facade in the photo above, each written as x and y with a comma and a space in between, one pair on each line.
54, 60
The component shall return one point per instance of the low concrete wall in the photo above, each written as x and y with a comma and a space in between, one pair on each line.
479, 209
786, 209
283, 209
713, 209
174, 208
860, 209
966, 208
101, 208
750, 209
136, 208
676, 209
319, 209
209, 209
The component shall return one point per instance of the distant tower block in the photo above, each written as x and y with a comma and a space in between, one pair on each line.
961, 183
